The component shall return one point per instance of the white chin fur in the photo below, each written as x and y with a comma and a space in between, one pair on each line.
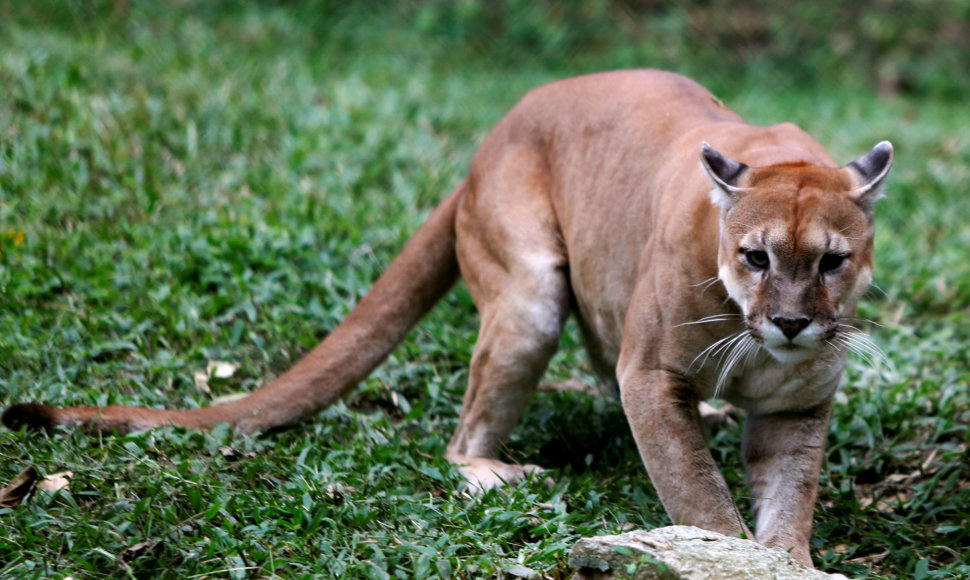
791, 355
804, 347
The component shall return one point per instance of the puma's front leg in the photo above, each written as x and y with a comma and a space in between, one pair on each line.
662, 410
783, 457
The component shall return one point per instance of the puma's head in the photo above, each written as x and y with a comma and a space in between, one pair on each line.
795, 250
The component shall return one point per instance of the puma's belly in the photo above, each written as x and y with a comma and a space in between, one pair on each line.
602, 295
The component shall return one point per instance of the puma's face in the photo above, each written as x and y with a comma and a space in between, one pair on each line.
796, 257
795, 250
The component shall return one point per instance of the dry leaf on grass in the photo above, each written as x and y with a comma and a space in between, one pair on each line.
19, 488
232, 455
870, 560
338, 493
141, 549
216, 369
892, 492
571, 386
231, 397
56, 481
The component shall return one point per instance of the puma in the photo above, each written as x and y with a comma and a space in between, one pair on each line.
703, 258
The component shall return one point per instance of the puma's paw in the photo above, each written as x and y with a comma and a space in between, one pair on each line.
725, 416
483, 474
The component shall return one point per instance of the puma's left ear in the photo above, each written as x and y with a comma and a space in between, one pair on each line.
871, 170
724, 174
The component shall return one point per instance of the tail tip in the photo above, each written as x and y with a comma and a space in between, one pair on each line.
30, 415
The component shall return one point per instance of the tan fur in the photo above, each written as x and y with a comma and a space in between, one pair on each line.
593, 196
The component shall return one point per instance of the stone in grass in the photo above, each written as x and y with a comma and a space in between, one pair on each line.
683, 553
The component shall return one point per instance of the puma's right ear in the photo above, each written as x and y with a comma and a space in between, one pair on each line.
870, 171
724, 174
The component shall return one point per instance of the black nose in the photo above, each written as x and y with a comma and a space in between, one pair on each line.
791, 326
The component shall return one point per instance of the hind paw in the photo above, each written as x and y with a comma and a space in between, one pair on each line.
482, 474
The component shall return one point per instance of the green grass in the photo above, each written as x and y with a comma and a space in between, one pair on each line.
223, 184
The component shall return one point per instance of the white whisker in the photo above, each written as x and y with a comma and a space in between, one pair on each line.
861, 344
705, 283
710, 319
861, 353
876, 286
740, 350
866, 320
729, 346
864, 343
753, 349
713, 348
709, 284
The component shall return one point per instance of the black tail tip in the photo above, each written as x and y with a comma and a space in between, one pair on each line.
29, 415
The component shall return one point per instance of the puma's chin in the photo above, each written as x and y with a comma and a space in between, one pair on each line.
799, 349
791, 353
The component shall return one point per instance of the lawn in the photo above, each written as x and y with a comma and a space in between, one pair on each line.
221, 182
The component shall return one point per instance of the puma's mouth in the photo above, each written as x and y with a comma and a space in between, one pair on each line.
793, 350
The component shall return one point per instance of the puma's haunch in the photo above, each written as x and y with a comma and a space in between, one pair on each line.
703, 257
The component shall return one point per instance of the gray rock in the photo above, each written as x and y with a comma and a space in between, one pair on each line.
683, 553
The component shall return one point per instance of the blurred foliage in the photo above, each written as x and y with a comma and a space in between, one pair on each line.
917, 47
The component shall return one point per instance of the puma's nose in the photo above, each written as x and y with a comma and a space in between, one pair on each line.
791, 326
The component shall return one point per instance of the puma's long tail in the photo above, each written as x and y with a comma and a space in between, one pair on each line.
422, 273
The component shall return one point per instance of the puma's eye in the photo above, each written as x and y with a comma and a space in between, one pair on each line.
756, 259
831, 263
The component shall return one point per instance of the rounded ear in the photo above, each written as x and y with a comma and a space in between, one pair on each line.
870, 171
724, 174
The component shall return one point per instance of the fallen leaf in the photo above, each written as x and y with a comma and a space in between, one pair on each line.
201, 380
871, 559
338, 493
139, 550
841, 549
901, 477
19, 487
229, 398
232, 455
572, 386
56, 481
216, 369
221, 369
520, 571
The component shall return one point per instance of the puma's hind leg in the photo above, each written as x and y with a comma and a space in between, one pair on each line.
509, 358
514, 268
